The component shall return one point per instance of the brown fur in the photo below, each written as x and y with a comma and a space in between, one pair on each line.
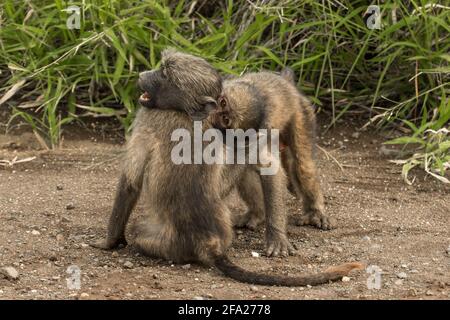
187, 217
265, 100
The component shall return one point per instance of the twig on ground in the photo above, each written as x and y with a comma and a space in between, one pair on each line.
100, 163
328, 155
10, 163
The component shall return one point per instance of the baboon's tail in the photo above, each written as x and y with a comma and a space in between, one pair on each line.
224, 264
288, 74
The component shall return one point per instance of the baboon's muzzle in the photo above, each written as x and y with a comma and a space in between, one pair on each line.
144, 82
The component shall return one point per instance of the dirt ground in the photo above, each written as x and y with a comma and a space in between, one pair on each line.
53, 206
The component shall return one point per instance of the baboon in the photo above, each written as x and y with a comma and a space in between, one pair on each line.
189, 83
188, 219
265, 100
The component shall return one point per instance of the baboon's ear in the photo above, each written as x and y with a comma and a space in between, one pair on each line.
207, 106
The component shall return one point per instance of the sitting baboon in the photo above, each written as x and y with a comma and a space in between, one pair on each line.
187, 217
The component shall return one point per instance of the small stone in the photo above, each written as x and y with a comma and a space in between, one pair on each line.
398, 282
448, 250
158, 285
9, 273
215, 286
59, 187
115, 254
70, 206
198, 298
65, 220
255, 254
84, 245
337, 249
84, 295
366, 238
128, 265
402, 275
414, 271
385, 151
412, 292
254, 288
59, 237
186, 266
429, 293
35, 233
345, 279
355, 135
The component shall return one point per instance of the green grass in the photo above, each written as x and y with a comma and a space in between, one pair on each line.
395, 76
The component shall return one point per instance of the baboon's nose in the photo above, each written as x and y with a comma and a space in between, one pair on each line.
145, 74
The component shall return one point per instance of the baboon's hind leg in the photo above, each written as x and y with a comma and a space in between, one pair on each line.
304, 177
288, 162
150, 239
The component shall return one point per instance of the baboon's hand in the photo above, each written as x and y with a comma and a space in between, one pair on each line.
106, 244
315, 219
278, 244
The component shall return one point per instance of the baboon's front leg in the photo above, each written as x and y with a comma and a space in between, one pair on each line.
251, 192
126, 198
277, 242
305, 180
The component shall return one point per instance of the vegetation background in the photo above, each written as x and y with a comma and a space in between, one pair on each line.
396, 76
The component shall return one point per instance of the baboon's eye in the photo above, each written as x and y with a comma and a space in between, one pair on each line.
222, 102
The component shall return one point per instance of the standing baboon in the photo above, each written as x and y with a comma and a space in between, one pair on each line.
188, 219
265, 100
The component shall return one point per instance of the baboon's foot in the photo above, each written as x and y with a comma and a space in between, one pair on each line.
249, 220
254, 222
278, 245
316, 219
106, 244
240, 221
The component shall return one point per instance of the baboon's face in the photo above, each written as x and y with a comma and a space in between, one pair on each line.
184, 83
159, 93
224, 118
